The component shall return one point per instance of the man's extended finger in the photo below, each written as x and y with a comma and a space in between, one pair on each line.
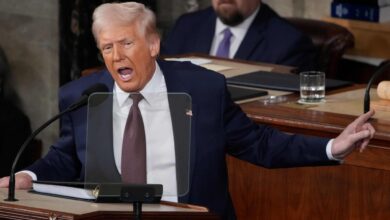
363, 118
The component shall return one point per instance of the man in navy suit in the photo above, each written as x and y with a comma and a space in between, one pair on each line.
127, 38
259, 34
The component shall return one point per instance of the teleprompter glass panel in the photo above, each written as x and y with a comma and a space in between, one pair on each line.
167, 122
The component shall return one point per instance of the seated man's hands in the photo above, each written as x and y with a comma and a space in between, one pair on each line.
22, 181
355, 135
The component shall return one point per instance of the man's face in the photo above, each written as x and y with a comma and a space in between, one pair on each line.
128, 55
233, 12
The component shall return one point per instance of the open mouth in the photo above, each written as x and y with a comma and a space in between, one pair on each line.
125, 73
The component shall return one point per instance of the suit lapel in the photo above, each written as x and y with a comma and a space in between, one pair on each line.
100, 163
205, 34
179, 119
254, 36
180, 107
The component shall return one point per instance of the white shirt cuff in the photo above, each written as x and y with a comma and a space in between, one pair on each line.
329, 151
33, 175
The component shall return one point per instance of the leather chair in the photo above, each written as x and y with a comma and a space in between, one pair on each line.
331, 41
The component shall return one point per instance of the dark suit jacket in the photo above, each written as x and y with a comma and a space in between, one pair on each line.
270, 39
218, 127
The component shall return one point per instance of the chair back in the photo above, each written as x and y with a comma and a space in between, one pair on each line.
331, 41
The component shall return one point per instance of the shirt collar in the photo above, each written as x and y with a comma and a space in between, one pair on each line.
238, 29
155, 85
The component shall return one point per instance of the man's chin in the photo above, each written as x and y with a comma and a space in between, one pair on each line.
128, 87
229, 15
230, 18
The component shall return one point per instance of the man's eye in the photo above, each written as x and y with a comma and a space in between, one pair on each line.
128, 44
107, 49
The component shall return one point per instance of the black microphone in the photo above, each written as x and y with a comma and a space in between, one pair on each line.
99, 87
379, 72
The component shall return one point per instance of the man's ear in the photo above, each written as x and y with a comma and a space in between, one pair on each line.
154, 45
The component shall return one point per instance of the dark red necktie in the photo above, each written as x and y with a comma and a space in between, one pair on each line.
133, 165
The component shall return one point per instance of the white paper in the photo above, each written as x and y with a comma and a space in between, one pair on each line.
64, 191
196, 61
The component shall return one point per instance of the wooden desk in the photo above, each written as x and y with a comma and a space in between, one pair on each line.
239, 66
34, 206
358, 189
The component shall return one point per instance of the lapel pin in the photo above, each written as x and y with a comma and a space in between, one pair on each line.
189, 112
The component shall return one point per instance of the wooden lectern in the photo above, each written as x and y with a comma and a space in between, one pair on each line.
35, 206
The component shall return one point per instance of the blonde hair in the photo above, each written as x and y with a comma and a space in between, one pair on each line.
123, 14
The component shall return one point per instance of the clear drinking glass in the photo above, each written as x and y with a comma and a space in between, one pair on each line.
312, 87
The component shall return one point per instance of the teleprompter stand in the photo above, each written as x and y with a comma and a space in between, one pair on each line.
130, 193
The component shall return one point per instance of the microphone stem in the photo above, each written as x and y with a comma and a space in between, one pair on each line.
372, 79
11, 185
81, 102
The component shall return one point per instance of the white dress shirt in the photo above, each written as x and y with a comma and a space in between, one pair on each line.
238, 32
160, 150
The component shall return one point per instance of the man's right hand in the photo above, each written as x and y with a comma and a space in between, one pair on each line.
22, 181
